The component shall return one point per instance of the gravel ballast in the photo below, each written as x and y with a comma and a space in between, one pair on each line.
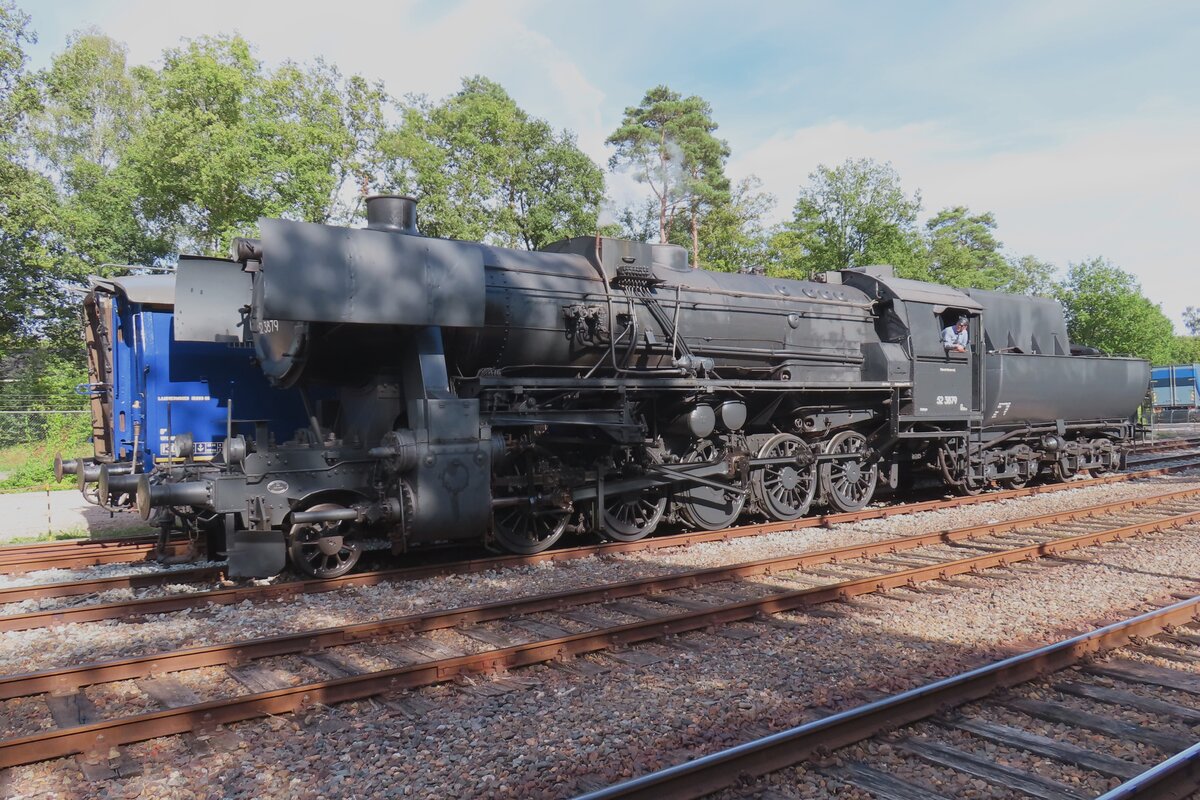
573, 730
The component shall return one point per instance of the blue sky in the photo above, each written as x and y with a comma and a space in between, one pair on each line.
1076, 123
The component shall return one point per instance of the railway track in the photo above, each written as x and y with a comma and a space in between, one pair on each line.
439, 646
74, 554
291, 589
16, 559
957, 724
1158, 445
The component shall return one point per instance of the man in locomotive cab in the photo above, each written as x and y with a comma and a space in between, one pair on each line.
955, 337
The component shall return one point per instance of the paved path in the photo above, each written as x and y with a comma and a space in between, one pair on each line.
33, 513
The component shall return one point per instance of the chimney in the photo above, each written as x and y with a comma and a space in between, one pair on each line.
393, 213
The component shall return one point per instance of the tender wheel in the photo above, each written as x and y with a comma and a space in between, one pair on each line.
785, 491
632, 516
1016, 482
848, 485
958, 469
1063, 469
321, 549
707, 507
528, 527
1106, 454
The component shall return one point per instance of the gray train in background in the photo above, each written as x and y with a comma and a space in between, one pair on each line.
458, 393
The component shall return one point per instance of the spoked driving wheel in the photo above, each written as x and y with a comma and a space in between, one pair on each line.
848, 484
531, 524
785, 490
708, 506
321, 549
633, 515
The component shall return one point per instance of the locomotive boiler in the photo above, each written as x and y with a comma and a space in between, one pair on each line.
460, 393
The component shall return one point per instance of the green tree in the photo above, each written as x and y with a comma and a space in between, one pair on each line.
27, 201
1030, 275
667, 142
92, 105
637, 221
1105, 308
964, 251
734, 236
1184, 350
851, 215
488, 171
226, 142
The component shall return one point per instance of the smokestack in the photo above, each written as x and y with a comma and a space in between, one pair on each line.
393, 213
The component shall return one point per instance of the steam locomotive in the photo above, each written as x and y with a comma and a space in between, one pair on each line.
455, 392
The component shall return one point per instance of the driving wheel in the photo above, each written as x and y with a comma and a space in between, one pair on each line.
785, 490
321, 549
848, 484
532, 525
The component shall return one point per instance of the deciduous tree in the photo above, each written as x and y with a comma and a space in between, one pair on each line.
851, 215
1105, 308
486, 170
1191, 320
27, 201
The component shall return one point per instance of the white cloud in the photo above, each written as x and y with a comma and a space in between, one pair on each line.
1125, 190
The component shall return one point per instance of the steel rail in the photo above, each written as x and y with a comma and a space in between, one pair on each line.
110, 552
1177, 778
40, 591
100, 736
726, 768
69, 545
1166, 444
137, 607
239, 652
296, 588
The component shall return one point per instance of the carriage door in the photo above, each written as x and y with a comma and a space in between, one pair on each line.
943, 381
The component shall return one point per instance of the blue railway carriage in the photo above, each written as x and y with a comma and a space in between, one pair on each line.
1174, 393
157, 400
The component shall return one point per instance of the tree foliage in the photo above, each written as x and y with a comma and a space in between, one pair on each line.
851, 215
226, 142
1105, 308
667, 142
1184, 350
734, 236
27, 201
486, 170
1191, 320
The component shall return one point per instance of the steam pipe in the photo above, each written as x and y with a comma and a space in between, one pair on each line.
327, 515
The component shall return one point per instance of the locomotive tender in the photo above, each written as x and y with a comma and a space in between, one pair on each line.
460, 393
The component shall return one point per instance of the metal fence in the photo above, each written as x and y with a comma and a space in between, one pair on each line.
33, 426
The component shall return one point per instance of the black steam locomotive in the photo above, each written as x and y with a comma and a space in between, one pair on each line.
457, 392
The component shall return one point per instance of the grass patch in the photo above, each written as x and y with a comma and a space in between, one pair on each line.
30, 465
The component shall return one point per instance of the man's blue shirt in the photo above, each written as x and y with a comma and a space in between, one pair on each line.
952, 336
